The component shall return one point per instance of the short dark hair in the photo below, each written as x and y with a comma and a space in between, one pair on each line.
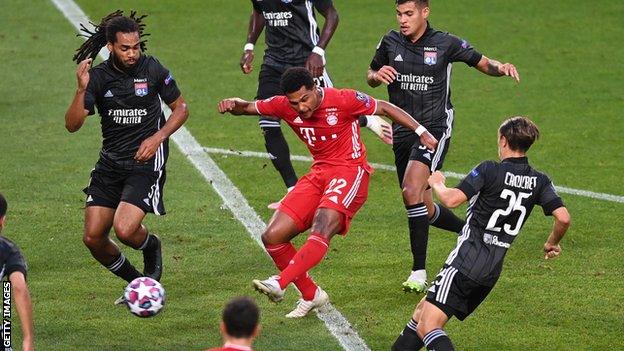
241, 316
520, 133
419, 3
120, 24
294, 78
3, 206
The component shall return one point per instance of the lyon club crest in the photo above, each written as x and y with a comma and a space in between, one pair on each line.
140, 89
431, 57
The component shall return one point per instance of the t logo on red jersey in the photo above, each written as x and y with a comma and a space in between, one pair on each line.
308, 135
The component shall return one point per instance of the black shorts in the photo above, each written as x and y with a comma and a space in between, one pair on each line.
269, 85
409, 148
456, 294
139, 186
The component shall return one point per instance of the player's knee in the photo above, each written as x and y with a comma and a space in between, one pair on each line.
271, 236
413, 192
125, 231
424, 327
92, 241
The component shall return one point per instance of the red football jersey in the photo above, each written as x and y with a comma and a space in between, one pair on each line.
332, 133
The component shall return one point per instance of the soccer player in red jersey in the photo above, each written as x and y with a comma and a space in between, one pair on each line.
327, 198
239, 325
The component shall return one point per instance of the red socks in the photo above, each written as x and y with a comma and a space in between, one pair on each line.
308, 256
281, 255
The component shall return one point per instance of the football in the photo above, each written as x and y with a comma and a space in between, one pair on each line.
145, 297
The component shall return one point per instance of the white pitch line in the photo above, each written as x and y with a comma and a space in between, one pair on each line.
335, 322
561, 189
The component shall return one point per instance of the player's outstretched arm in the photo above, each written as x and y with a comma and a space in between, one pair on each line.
496, 69
385, 75
238, 106
179, 115
401, 117
316, 61
24, 308
256, 25
449, 197
561, 225
76, 112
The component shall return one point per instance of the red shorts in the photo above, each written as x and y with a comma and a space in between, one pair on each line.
342, 188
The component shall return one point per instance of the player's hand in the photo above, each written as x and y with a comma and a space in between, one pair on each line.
551, 251
246, 60
380, 127
227, 105
148, 148
429, 141
82, 73
386, 75
436, 177
315, 64
510, 70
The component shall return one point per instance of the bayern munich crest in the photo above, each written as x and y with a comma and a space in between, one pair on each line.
332, 119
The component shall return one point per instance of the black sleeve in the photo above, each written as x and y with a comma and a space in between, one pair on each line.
548, 198
322, 5
15, 263
256, 6
381, 55
91, 92
460, 50
167, 86
475, 180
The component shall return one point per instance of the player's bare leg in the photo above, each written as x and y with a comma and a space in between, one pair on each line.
130, 231
430, 323
97, 225
414, 186
98, 222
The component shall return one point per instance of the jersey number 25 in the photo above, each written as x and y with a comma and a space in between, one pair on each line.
515, 204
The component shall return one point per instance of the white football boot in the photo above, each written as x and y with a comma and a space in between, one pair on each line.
270, 287
304, 307
416, 282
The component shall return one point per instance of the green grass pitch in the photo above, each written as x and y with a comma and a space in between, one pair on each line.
569, 57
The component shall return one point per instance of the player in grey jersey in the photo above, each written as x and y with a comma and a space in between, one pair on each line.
502, 196
293, 39
415, 63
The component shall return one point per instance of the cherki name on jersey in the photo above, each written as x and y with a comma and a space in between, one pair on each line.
522, 182
277, 19
127, 116
414, 82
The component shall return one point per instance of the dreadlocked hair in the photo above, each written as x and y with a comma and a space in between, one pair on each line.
106, 31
